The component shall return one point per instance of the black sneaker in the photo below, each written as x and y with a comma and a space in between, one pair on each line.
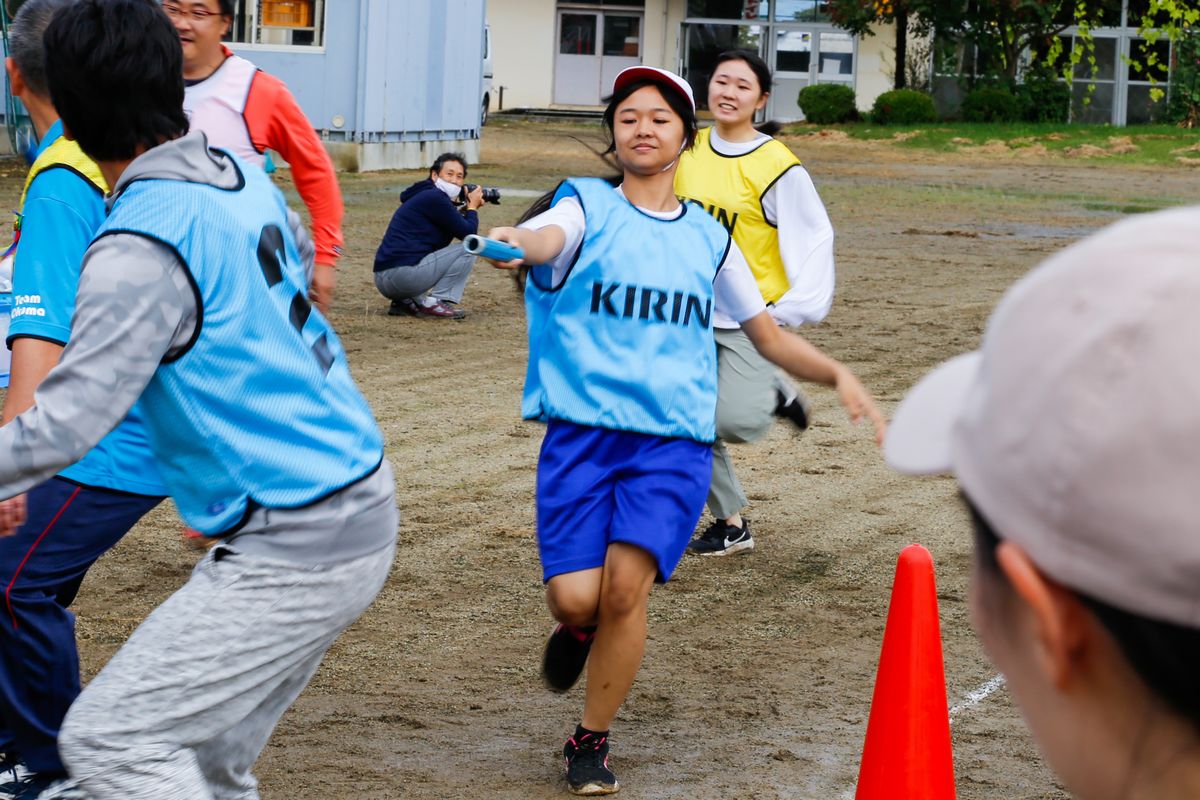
723, 539
406, 307
12, 769
792, 406
566, 652
587, 766
38, 784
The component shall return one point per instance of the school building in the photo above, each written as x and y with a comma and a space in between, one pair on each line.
562, 54
386, 83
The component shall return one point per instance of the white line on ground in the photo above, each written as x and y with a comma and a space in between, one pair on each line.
973, 698
976, 697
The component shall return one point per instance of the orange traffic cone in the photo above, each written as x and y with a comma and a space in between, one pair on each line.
907, 754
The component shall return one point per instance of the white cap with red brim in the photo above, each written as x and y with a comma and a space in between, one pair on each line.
1075, 428
660, 76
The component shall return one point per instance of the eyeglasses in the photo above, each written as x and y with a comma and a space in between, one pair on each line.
195, 14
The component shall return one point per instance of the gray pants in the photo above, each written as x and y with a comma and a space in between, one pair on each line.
185, 707
745, 411
442, 275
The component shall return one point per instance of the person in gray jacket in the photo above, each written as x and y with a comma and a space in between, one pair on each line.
193, 298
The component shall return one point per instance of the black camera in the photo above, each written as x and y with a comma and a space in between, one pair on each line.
490, 195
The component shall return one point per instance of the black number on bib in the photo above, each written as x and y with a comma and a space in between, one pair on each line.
270, 258
270, 254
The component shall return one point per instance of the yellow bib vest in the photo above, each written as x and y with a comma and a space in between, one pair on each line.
61, 154
731, 188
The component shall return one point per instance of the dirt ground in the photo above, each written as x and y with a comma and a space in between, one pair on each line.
759, 671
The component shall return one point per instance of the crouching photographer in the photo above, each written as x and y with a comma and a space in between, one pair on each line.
418, 265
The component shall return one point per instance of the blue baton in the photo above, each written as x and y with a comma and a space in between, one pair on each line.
491, 249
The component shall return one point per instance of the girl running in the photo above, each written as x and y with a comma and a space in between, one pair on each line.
622, 367
755, 187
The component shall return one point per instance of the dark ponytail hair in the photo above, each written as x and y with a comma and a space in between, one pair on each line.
761, 72
1163, 654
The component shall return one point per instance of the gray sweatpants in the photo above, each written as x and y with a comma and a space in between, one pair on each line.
442, 274
183, 710
745, 411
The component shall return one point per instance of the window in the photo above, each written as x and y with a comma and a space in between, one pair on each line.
793, 51
778, 10
621, 36
577, 36
298, 23
801, 11
727, 9
837, 57
705, 41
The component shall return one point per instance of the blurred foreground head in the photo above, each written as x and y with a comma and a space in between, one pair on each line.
1074, 433
114, 70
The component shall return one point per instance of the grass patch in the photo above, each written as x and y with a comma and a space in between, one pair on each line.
1143, 144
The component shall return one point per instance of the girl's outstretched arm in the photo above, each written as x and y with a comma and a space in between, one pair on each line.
803, 360
541, 246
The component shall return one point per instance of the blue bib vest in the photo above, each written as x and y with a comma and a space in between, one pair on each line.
260, 409
122, 460
625, 340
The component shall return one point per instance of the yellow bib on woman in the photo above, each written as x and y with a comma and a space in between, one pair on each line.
731, 188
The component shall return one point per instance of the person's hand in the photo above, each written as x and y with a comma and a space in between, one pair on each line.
324, 280
475, 198
12, 515
508, 236
858, 402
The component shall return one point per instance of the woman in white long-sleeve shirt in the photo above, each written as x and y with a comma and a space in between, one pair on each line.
754, 186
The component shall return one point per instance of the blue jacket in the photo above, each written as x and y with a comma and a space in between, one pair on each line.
426, 221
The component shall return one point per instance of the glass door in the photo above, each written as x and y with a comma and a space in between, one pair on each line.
801, 56
792, 62
577, 63
593, 46
621, 47
704, 41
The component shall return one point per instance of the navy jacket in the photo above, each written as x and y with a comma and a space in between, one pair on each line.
425, 221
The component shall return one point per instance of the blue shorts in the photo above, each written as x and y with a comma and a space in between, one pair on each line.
597, 486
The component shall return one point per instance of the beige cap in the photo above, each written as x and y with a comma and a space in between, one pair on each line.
1075, 429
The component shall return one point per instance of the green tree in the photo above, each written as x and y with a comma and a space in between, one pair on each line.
1174, 21
999, 33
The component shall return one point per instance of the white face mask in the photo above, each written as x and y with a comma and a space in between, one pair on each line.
451, 190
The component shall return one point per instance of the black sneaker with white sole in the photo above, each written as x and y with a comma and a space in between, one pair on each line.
566, 652
12, 769
35, 785
723, 539
792, 407
587, 766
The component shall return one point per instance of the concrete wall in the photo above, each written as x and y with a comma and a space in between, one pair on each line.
661, 40
876, 69
523, 46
